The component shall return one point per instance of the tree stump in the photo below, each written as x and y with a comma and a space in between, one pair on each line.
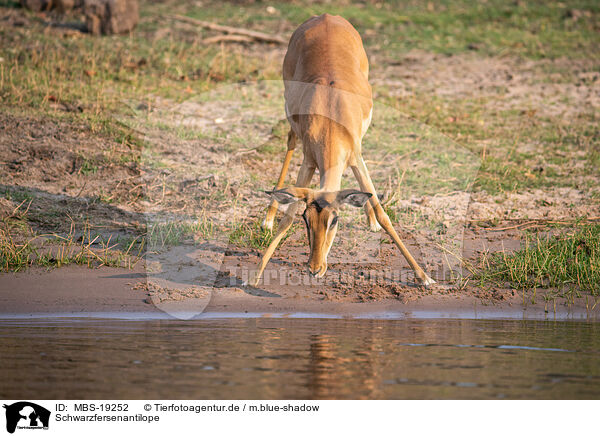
109, 17
37, 5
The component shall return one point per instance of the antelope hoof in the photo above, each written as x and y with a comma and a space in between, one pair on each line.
267, 224
252, 282
375, 226
428, 281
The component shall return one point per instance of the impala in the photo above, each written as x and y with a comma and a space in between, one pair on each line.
329, 105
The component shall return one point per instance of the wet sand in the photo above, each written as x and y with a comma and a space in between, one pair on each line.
114, 292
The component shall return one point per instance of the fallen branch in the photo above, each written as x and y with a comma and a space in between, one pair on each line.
512, 227
244, 152
257, 36
227, 38
538, 223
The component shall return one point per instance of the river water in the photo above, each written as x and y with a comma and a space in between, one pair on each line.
267, 358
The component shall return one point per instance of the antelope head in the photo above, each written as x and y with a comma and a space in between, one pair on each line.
321, 218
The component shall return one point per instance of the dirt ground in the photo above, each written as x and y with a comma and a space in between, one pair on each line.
207, 158
118, 293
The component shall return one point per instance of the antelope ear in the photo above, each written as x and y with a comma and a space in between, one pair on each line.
289, 195
353, 197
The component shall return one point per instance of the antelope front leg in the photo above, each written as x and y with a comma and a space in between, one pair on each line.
291, 145
364, 180
304, 176
284, 225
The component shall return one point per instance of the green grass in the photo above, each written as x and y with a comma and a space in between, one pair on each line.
508, 147
568, 263
250, 234
21, 247
17, 253
171, 233
535, 29
391, 212
112, 69
114, 74
17, 196
88, 167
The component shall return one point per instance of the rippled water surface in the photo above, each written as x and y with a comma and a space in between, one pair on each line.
298, 358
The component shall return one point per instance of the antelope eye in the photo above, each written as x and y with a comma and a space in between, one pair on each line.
333, 222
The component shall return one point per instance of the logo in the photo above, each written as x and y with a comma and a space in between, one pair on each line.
26, 415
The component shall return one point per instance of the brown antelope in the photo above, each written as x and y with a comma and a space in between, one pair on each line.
328, 104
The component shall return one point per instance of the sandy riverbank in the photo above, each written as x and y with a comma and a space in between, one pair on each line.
113, 292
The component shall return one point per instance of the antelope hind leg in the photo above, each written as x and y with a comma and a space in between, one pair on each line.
369, 211
371, 218
291, 145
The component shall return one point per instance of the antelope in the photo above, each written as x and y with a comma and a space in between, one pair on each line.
328, 104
